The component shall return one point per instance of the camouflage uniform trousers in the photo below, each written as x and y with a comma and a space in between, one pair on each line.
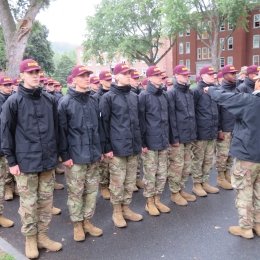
104, 172
122, 179
36, 200
3, 168
180, 167
82, 184
202, 160
224, 162
155, 172
139, 167
246, 180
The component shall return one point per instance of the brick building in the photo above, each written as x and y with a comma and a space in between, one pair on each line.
241, 48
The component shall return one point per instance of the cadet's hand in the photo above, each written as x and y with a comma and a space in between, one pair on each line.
144, 150
68, 163
109, 155
206, 90
176, 145
221, 136
102, 157
15, 170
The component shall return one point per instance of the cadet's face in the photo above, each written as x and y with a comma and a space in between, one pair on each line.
94, 87
230, 77
156, 80
257, 84
50, 87
82, 82
6, 89
182, 79
31, 79
252, 76
106, 84
123, 79
134, 82
57, 88
220, 80
208, 78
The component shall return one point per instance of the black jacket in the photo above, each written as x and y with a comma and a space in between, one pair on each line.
3, 98
58, 96
206, 111
100, 93
137, 90
181, 114
247, 86
226, 119
153, 114
119, 115
28, 126
246, 135
79, 128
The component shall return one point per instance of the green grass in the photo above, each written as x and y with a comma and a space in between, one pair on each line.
5, 256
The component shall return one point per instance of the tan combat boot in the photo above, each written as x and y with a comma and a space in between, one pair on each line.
198, 190
228, 177
238, 231
222, 182
257, 229
45, 242
151, 208
131, 215
55, 211
209, 189
178, 199
117, 216
91, 229
58, 186
187, 196
139, 183
79, 234
159, 205
31, 249
105, 193
9, 192
5, 222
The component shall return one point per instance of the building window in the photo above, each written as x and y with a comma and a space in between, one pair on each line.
222, 27
188, 64
209, 53
180, 48
181, 62
198, 53
230, 60
180, 34
205, 35
188, 32
187, 47
230, 26
257, 21
256, 60
256, 41
222, 43
222, 62
204, 53
230, 43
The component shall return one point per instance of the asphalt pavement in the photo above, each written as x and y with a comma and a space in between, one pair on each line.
196, 232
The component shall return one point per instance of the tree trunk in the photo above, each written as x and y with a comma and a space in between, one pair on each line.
215, 49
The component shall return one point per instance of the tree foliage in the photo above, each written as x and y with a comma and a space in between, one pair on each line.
132, 28
39, 48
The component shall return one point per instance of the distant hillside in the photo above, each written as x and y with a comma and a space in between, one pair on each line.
62, 47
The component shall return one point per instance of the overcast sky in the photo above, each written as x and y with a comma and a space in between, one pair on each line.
66, 20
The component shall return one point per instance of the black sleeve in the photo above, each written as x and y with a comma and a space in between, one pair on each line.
142, 121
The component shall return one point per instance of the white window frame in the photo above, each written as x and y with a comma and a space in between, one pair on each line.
204, 53
180, 34
188, 63
181, 48
256, 21
230, 26
181, 62
222, 27
221, 62
209, 53
230, 42
188, 32
187, 47
230, 60
199, 56
222, 43
256, 60
256, 41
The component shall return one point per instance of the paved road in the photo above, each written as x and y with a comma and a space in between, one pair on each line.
196, 232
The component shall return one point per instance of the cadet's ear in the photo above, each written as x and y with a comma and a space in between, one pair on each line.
22, 76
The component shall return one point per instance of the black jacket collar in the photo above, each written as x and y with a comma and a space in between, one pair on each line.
120, 90
153, 90
30, 93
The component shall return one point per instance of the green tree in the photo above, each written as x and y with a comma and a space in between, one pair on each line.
132, 28
206, 17
39, 48
63, 69
17, 18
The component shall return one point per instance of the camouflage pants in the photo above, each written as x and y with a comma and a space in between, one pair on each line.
82, 184
139, 167
224, 162
155, 172
3, 168
202, 160
104, 172
180, 167
246, 180
36, 199
122, 179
